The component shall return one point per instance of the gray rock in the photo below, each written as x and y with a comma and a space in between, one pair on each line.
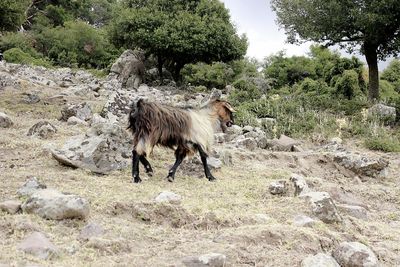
129, 68
97, 119
220, 137
278, 187
361, 165
214, 163
382, 111
52, 204
207, 260
284, 143
353, 211
30, 186
104, 148
38, 245
355, 254
31, 98
226, 157
247, 129
167, 196
262, 218
76, 121
341, 196
42, 129
319, 260
119, 104
90, 230
5, 121
248, 143
81, 111
303, 221
323, 206
10, 206
300, 184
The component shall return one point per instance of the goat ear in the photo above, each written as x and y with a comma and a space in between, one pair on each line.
229, 107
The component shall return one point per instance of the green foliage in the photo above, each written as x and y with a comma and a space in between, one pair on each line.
178, 32
383, 142
388, 92
347, 85
23, 41
217, 74
12, 14
16, 55
244, 91
392, 74
76, 44
371, 26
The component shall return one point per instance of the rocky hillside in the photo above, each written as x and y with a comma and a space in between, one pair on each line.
66, 197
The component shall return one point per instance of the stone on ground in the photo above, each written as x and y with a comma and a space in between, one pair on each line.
42, 129
319, 260
284, 143
5, 121
353, 211
304, 221
30, 186
81, 111
355, 254
278, 187
167, 196
38, 245
90, 230
207, 260
323, 206
300, 184
10, 206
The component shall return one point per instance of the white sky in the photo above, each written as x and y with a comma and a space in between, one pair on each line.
257, 20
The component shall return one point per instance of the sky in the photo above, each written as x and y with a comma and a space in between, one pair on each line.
257, 20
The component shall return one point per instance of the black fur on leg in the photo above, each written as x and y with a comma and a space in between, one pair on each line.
135, 167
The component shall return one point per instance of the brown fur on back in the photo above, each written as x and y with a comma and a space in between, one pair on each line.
154, 124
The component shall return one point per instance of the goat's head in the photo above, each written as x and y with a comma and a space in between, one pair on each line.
224, 112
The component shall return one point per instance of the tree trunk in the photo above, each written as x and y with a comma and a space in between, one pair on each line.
177, 72
373, 73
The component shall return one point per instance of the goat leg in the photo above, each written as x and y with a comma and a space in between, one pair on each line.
203, 156
180, 154
135, 167
147, 166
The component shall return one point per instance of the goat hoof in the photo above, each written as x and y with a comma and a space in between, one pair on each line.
137, 180
212, 179
149, 173
170, 179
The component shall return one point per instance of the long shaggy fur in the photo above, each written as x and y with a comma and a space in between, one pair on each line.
155, 124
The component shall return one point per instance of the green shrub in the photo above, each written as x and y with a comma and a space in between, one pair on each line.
217, 74
348, 85
387, 92
16, 55
383, 143
23, 41
244, 91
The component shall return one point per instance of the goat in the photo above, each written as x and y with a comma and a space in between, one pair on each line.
183, 130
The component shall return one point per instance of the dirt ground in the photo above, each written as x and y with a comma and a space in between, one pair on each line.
216, 216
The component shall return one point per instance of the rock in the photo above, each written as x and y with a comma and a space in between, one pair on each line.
233, 132
167, 196
31, 98
278, 187
220, 137
300, 184
75, 121
90, 230
129, 68
119, 104
5, 121
105, 147
81, 111
10, 206
319, 260
214, 163
30, 187
341, 196
110, 246
42, 129
207, 260
226, 157
247, 129
248, 143
382, 111
323, 206
38, 245
284, 143
355, 254
303, 221
353, 211
52, 204
361, 165
336, 140
97, 119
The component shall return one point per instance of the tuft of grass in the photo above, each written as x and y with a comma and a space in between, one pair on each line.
383, 143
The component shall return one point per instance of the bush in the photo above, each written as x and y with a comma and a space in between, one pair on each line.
218, 74
348, 85
23, 41
392, 74
388, 93
383, 143
16, 55
244, 91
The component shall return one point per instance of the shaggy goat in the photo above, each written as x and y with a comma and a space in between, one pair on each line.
184, 130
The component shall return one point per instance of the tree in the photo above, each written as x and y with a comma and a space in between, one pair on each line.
178, 32
12, 14
371, 26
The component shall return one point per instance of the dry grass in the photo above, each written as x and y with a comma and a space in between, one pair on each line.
240, 192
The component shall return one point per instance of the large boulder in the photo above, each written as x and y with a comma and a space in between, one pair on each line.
129, 68
5, 121
81, 111
52, 204
104, 148
284, 143
362, 165
355, 254
383, 112
42, 129
323, 206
